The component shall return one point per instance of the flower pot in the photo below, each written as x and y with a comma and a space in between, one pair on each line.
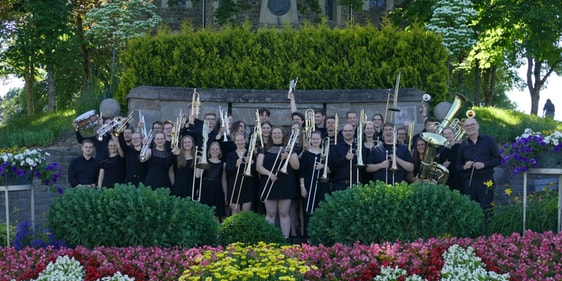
549, 159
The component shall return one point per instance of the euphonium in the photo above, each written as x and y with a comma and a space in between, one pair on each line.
309, 126
203, 164
457, 104
362, 122
324, 155
145, 146
431, 171
251, 147
289, 149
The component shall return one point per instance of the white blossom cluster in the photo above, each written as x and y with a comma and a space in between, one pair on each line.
460, 265
69, 269
29, 158
553, 139
451, 18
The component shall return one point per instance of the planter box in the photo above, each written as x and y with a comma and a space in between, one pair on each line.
546, 183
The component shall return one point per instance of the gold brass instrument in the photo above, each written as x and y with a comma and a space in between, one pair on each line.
177, 129
325, 152
203, 164
236, 177
251, 147
411, 128
86, 120
195, 104
145, 146
224, 119
394, 166
290, 147
336, 125
309, 126
292, 86
394, 107
457, 104
431, 171
362, 122
122, 123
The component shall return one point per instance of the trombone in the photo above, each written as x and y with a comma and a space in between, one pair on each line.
362, 122
313, 188
247, 168
394, 107
336, 125
325, 152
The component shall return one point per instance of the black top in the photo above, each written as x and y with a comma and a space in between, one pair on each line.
380, 153
485, 150
101, 146
82, 171
113, 170
135, 169
339, 165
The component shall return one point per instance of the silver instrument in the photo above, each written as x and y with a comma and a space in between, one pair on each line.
292, 86
145, 146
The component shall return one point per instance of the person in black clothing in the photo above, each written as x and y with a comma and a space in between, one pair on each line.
548, 109
380, 159
343, 159
378, 122
135, 169
112, 168
83, 170
478, 155
447, 156
100, 144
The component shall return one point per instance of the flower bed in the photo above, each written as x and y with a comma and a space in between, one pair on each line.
533, 256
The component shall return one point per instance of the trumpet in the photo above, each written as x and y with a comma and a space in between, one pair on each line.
292, 86
324, 155
309, 126
224, 118
105, 129
203, 164
145, 146
122, 123
362, 122
177, 129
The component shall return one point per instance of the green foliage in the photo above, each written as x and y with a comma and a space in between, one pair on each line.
542, 214
3, 233
355, 57
377, 212
130, 216
249, 228
36, 130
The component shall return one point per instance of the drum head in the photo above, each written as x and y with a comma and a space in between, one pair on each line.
85, 115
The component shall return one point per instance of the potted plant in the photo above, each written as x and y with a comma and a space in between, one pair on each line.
18, 166
533, 150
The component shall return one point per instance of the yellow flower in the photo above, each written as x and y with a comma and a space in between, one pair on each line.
508, 191
489, 183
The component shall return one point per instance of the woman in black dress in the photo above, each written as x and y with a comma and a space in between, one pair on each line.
213, 185
182, 171
241, 189
277, 188
311, 169
112, 168
158, 159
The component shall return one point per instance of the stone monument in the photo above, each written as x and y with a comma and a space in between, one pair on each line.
278, 12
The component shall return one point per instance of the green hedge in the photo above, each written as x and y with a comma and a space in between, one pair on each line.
355, 57
249, 228
130, 216
377, 213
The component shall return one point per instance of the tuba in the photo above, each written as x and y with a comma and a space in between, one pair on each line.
449, 118
431, 171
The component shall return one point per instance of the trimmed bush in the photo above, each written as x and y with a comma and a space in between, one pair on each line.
249, 228
130, 216
377, 213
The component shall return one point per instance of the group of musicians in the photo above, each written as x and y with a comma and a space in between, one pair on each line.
233, 167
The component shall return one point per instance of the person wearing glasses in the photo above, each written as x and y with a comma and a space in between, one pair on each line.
478, 155
378, 122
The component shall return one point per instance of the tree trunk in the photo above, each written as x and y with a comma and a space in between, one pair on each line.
534, 83
52, 93
477, 80
29, 77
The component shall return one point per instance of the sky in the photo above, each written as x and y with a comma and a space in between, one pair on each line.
553, 92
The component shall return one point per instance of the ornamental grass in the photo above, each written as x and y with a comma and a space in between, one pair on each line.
532, 256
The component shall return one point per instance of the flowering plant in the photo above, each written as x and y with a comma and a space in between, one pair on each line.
520, 155
16, 163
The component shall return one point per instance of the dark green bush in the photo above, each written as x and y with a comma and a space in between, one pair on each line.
250, 228
377, 212
130, 216
542, 214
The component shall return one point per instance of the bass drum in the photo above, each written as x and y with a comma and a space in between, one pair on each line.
86, 120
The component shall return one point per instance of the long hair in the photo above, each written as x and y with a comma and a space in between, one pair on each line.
270, 140
180, 159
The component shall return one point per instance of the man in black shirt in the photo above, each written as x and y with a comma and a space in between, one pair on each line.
84, 169
343, 159
380, 159
477, 157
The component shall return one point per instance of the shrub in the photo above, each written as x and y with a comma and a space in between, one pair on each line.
542, 214
250, 228
3, 235
377, 212
130, 216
